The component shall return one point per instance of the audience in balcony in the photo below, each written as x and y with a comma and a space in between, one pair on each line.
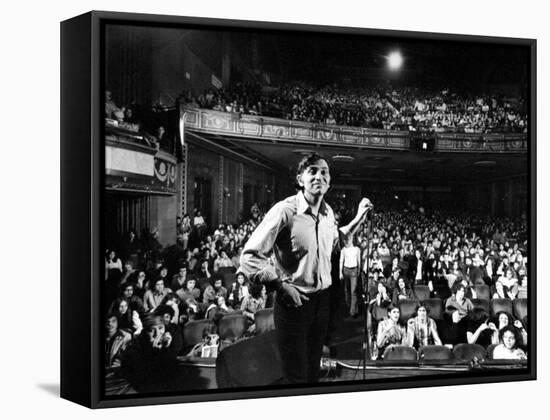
377, 106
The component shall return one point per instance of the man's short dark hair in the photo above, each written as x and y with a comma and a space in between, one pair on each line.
308, 160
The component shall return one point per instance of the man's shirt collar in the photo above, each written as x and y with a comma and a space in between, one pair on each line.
303, 206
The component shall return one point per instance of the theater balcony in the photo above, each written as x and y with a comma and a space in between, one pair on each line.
133, 162
297, 132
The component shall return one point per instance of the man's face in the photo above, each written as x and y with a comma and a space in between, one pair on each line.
128, 292
112, 325
509, 340
183, 272
155, 332
159, 286
394, 314
190, 284
315, 179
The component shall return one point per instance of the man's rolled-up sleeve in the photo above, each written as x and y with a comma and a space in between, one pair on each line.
254, 261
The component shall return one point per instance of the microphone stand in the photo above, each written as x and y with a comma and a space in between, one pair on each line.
365, 299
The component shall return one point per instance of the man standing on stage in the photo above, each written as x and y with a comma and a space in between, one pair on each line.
302, 233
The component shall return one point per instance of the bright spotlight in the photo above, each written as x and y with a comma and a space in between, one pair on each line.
395, 60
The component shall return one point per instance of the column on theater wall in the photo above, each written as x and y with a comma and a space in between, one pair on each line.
226, 59
494, 199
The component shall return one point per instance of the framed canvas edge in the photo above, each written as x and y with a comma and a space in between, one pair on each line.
96, 398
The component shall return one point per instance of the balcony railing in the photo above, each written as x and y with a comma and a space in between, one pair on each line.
252, 126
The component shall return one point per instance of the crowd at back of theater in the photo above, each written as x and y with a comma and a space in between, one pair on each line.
463, 263
151, 292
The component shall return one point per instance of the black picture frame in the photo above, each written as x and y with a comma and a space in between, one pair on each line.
82, 201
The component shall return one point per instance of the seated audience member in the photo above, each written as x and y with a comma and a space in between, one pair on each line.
503, 319
178, 280
389, 269
239, 290
153, 298
509, 283
389, 331
150, 363
522, 288
454, 274
219, 289
128, 272
136, 304
480, 330
382, 298
422, 330
209, 346
128, 319
508, 347
457, 309
253, 302
141, 285
402, 291
222, 261
500, 292
116, 341
189, 296
170, 319
204, 270
218, 309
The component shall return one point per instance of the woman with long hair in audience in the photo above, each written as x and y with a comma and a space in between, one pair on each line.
401, 291
421, 329
239, 290
509, 345
128, 319
222, 260
503, 319
509, 282
480, 329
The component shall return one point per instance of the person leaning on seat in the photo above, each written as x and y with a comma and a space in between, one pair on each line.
302, 233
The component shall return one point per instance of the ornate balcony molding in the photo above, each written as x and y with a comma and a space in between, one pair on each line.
275, 129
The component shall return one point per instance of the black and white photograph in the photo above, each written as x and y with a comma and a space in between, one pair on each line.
313, 208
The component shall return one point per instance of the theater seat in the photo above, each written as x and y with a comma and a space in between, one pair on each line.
435, 353
490, 349
378, 313
226, 270
467, 352
264, 321
498, 305
422, 292
481, 303
228, 280
483, 291
250, 362
435, 308
407, 307
232, 327
193, 330
520, 308
400, 353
